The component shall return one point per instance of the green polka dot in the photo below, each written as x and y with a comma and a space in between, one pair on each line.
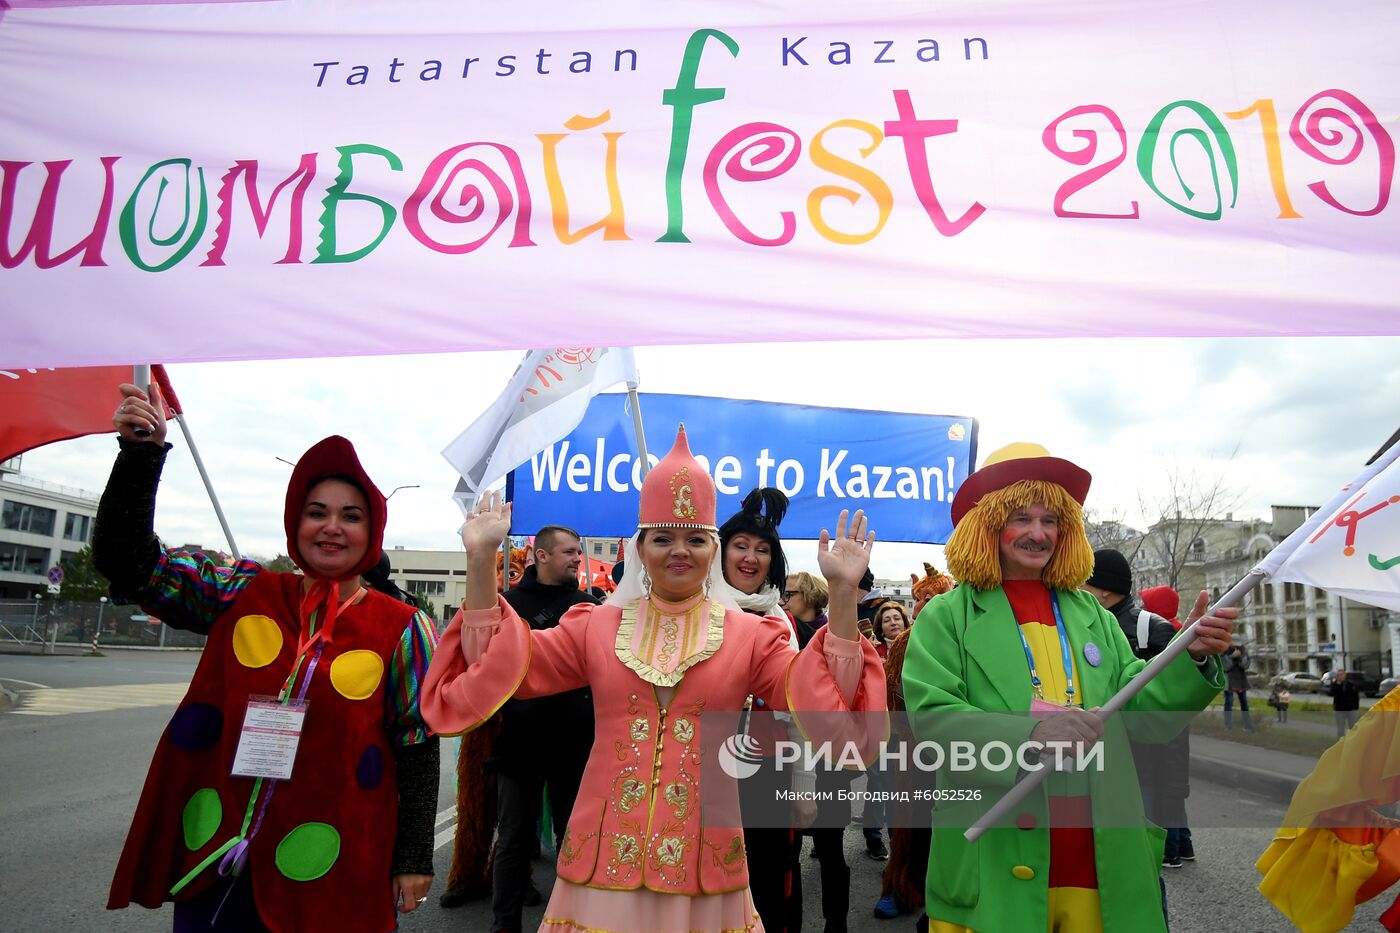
202, 817
308, 852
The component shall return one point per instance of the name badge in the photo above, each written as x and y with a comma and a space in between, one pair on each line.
267, 746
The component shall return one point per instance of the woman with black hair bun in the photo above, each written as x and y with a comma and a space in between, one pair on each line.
753, 553
755, 566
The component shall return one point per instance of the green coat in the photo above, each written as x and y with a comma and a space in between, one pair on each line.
965, 656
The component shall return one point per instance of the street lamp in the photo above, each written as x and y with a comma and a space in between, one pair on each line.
397, 488
97, 632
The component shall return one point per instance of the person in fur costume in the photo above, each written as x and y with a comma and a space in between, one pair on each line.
931, 584
470, 876
1019, 639
902, 885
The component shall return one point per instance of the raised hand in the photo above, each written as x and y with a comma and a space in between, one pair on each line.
844, 558
486, 526
1215, 633
138, 412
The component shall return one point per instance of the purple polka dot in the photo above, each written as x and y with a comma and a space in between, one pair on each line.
370, 771
196, 727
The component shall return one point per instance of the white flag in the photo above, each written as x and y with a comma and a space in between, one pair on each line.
1351, 546
543, 402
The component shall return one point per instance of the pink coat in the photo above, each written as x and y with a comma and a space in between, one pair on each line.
636, 820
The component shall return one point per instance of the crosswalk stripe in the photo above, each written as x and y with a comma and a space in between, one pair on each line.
56, 701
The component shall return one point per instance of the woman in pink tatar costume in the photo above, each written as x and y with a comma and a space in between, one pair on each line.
669, 645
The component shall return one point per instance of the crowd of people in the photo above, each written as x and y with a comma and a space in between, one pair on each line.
586, 715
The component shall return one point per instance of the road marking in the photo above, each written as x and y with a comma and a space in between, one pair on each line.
60, 701
27, 683
444, 836
47, 701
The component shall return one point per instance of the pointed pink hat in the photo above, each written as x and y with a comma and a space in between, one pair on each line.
678, 493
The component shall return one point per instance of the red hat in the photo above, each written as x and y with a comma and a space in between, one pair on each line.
678, 493
1162, 600
1016, 462
334, 457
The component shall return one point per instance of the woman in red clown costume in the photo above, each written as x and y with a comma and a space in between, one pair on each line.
337, 833
670, 644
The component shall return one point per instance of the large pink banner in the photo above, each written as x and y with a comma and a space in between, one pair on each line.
197, 181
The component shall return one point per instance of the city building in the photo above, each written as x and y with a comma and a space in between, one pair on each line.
41, 524
604, 549
1285, 626
437, 578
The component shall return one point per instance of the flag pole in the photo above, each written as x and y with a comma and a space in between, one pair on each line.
1264, 569
141, 375
637, 427
141, 378
208, 485
1180, 643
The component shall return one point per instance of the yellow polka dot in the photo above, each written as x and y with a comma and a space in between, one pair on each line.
257, 640
356, 674
1023, 872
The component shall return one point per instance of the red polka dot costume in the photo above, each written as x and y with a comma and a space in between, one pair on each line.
317, 846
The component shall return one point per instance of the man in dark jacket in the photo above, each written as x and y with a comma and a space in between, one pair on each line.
544, 741
1346, 699
1163, 768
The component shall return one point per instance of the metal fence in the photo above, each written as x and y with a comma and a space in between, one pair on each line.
36, 622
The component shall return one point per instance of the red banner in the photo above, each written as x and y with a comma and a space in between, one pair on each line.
39, 407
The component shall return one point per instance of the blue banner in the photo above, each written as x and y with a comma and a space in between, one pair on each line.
902, 469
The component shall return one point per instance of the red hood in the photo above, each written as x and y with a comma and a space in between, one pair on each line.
1163, 601
334, 456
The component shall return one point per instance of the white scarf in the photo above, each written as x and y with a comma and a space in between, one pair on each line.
768, 602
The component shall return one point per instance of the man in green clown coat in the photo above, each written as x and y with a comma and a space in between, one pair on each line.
1018, 638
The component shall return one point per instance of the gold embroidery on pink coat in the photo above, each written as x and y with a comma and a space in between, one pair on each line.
678, 796
572, 846
626, 850
669, 628
671, 851
638, 642
633, 791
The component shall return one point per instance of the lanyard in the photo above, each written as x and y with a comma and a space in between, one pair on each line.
233, 854
1065, 658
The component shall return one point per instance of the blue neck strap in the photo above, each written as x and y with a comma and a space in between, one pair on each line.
1065, 658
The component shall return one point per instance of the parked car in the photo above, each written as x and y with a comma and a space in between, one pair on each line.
1389, 684
1299, 682
1367, 684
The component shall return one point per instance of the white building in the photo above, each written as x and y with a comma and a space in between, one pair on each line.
1286, 626
41, 524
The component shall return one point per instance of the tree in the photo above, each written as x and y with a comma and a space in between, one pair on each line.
1191, 505
81, 581
1112, 531
282, 564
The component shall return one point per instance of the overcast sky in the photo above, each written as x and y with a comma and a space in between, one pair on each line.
1300, 414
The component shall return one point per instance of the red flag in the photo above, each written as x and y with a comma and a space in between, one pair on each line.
39, 407
167, 391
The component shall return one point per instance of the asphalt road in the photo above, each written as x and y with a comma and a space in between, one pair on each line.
70, 783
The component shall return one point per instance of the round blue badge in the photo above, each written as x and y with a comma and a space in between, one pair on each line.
1092, 655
